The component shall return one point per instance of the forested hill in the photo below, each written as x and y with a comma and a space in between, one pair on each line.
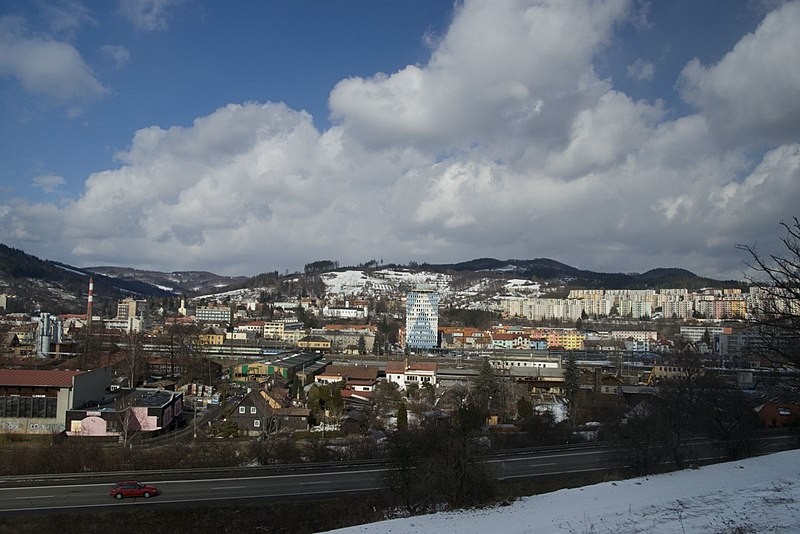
60, 288
545, 269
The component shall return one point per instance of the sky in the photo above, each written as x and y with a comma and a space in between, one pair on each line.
611, 135
755, 495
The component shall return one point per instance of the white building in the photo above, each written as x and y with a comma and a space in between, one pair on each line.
636, 335
213, 314
346, 312
404, 373
422, 319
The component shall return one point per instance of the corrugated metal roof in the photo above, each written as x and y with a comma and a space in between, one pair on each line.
22, 377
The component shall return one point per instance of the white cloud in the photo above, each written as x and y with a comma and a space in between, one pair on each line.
149, 15
520, 77
45, 66
641, 70
753, 91
48, 183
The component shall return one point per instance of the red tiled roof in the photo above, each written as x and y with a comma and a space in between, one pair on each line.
350, 393
350, 372
18, 377
422, 366
399, 367
395, 367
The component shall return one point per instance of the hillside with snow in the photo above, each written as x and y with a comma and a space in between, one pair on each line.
355, 282
749, 496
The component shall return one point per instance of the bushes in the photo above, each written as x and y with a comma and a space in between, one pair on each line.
440, 464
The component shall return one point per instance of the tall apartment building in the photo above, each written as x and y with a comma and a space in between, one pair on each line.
422, 318
130, 308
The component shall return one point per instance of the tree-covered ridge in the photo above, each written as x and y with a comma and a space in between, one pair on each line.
17, 264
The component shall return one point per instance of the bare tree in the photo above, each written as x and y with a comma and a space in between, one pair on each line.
777, 309
134, 359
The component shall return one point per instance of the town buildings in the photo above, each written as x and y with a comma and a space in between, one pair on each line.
36, 402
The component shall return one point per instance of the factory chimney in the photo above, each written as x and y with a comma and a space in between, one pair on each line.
89, 305
84, 356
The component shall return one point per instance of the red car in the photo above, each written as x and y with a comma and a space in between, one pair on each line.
132, 488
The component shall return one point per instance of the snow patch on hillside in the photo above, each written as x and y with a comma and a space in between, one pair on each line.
754, 495
354, 282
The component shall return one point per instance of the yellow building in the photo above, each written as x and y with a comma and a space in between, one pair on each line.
212, 336
564, 338
314, 344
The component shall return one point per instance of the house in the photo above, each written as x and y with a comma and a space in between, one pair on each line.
36, 402
404, 373
290, 419
511, 341
774, 414
355, 377
252, 414
357, 399
212, 335
133, 413
354, 421
275, 393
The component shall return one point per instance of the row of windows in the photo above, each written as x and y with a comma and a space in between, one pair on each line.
414, 378
28, 407
243, 409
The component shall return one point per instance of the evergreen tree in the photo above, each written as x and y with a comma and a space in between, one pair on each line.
524, 408
572, 383
362, 345
486, 387
377, 345
402, 417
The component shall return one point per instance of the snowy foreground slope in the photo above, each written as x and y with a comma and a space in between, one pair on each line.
750, 496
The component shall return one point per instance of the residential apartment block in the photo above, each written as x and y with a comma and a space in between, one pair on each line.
213, 314
422, 318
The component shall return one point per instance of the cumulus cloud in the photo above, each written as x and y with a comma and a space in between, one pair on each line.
520, 78
506, 144
45, 66
149, 15
48, 183
752, 91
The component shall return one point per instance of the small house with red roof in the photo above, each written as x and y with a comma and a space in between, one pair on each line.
404, 373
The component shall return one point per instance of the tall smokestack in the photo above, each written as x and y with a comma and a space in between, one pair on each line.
89, 305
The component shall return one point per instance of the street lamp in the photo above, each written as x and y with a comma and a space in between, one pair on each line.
195, 417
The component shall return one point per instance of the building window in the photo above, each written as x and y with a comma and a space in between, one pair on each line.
256, 423
241, 409
252, 409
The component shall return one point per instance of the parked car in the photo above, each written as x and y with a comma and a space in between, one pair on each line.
132, 488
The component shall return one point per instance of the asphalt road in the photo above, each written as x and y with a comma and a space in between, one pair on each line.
40, 494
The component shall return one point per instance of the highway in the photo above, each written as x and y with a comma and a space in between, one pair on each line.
304, 481
70, 495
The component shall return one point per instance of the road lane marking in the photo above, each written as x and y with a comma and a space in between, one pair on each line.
37, 497
228, 488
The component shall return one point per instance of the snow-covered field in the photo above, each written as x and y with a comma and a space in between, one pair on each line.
749, 496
